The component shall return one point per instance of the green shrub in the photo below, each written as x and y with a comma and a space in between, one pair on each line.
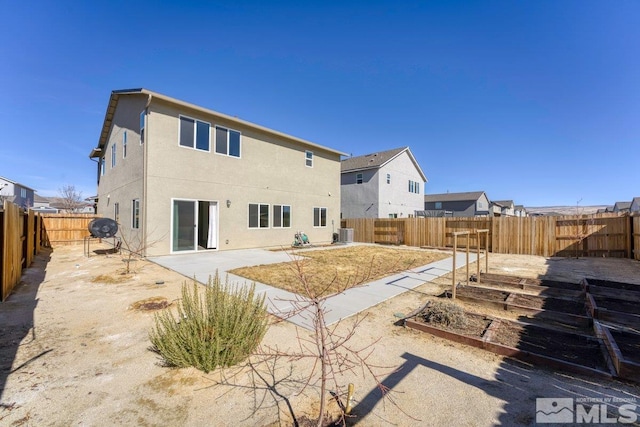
445, 313
221, 328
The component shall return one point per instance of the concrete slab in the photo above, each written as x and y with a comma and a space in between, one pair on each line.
290, 306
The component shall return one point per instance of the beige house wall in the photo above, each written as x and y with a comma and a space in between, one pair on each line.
123, 183
271, 170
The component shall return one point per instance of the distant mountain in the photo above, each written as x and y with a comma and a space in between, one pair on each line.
564, 210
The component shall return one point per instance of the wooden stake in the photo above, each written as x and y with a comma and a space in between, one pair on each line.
455, 248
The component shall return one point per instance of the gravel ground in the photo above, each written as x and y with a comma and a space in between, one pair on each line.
75, 351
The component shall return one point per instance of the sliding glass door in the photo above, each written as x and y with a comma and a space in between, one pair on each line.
195, 225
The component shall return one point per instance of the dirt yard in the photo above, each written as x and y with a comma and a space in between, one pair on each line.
74, 350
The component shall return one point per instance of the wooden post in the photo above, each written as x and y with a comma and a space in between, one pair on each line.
468, 235
486, 252
455, 247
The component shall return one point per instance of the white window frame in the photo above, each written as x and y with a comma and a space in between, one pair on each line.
281, 216
124, 144
103, 165
229, 130
437, 205
359, 178
260, 206
135, 214
388, 178
114, 151
319, 223
194, 145
308, 158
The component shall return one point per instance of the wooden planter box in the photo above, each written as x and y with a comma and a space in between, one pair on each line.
624, 366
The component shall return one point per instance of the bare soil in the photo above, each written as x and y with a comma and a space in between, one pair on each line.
475, 325
628, 343
74, 351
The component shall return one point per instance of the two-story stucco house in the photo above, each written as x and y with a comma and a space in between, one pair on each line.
386, 184
466, 204
16, 193
503, 208
180, 178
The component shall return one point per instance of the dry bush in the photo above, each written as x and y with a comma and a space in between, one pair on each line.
445, 313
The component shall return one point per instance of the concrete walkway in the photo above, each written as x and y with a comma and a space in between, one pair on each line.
293, 307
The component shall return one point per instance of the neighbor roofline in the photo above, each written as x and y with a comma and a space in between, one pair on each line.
403, 150
115, 95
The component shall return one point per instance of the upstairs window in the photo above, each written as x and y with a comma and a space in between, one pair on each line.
142, 125
124, 145
194, 133
414, 187
23, 193
227, 142
113, 154
388, 178
308, 159
103, 166
438, 205
359, 178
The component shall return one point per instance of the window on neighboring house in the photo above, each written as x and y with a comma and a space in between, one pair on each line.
116, 212
417, 187
23, 193
438, 205
281, 216
135, 213
143, 115
393, 215
308, 159
194, 133
113, 154
359, 178
227, 142
258, 215
124, 145
414, 187
319, 217
388, 178
410, 186
103, 166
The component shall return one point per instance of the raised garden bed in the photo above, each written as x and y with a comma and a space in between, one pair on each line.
551, 348
624, 350
544, 287
613, 310
611, 284
517, 301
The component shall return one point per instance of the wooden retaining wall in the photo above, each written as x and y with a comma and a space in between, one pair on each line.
568, 236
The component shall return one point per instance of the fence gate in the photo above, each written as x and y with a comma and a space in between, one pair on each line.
388, 231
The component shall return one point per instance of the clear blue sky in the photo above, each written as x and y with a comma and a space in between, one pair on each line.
535, 101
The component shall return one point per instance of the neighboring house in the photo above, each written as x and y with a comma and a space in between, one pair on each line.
635, 205
180, 178
609, 209
503, 208
386, 184
40, 202
621, 207
468, 204
16, 193
520, 211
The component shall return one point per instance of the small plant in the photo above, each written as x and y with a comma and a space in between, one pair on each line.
218, 329
445, 313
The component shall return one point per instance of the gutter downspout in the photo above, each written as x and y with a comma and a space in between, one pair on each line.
145, 154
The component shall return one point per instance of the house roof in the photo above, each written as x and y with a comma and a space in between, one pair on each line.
503, 203
116, 94
622, 205
377, 160
15, 183
40, 199
453, 197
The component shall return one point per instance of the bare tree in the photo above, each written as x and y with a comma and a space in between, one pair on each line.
70, 198
328, 347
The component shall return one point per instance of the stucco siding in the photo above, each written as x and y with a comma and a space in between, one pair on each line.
395, 198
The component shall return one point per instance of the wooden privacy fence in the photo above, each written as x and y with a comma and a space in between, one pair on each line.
636, 237
20, 241
544, 235
66, 228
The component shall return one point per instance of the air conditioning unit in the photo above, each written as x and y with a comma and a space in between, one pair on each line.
345, 235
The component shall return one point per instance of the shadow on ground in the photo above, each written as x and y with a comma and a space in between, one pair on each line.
17, 320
